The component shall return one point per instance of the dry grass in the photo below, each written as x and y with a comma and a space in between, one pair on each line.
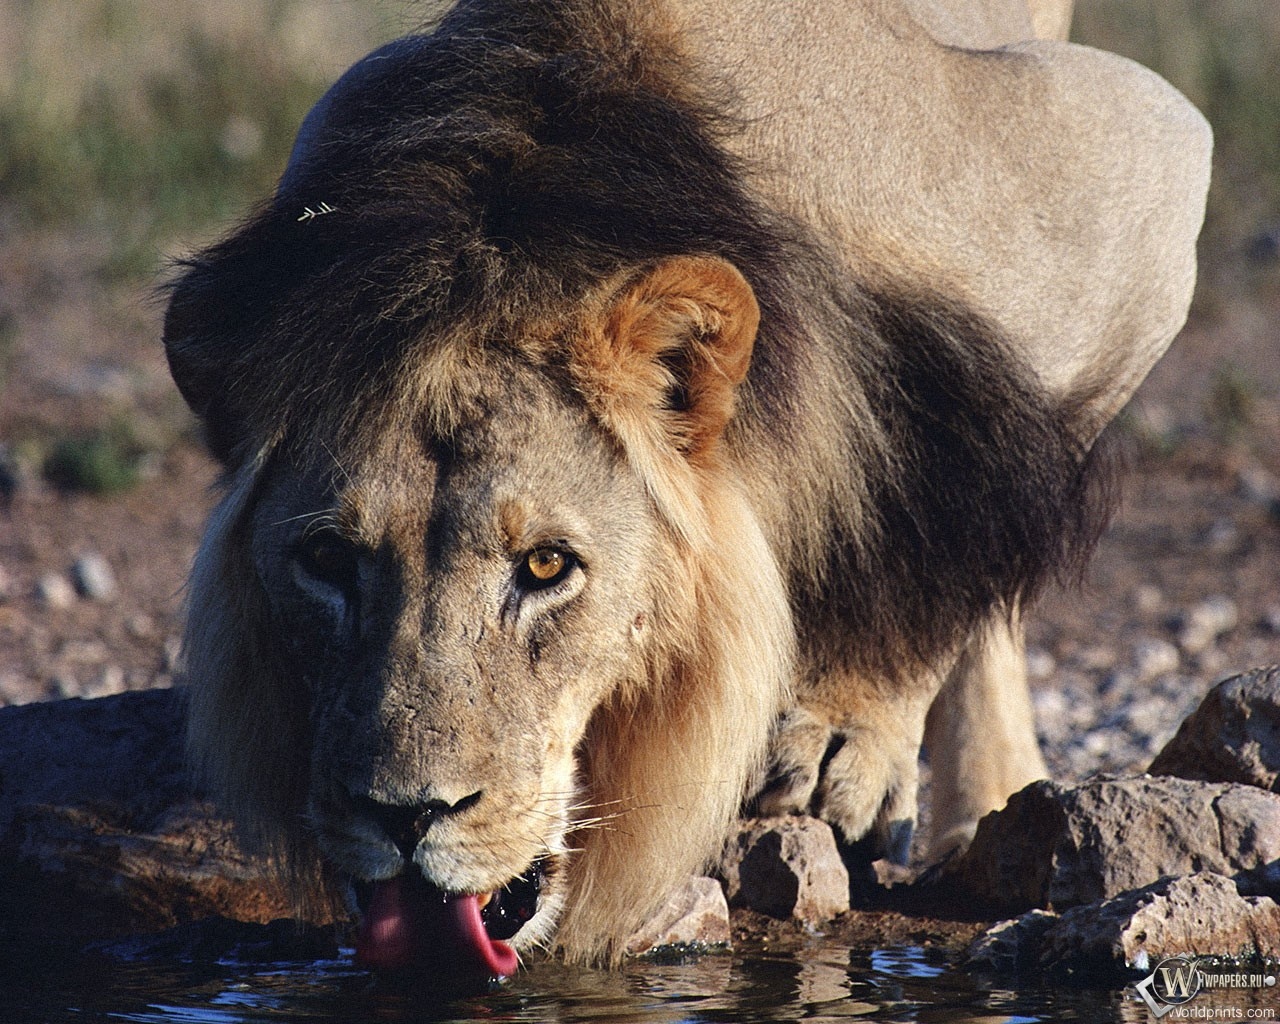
150, 118
133, 129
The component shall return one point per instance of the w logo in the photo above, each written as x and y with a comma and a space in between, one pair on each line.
1176, 980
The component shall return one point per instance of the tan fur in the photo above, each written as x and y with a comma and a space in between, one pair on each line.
948, 217
620, 369
1003, 173
981, 168
981, 736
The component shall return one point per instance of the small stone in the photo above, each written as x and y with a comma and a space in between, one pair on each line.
1096, 659
1221, 537
172, 660
786, 868
1201, 626
140, 626
1147, 599
1155, 657
1271, 619
84, 652
1097, 743
696, 915
7, 588
1258, 486
15, 689
65, 684
1040, 664
111, 680
53, 591
93, 578
1210, 662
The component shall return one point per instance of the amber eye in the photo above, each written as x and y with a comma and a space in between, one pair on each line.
545, 567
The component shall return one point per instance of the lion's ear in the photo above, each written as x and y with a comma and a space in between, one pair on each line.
662, 366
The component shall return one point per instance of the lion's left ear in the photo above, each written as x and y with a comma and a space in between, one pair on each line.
662, 365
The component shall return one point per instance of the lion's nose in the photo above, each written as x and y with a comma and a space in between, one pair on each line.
406, 824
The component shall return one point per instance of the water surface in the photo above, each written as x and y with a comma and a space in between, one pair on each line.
818, 983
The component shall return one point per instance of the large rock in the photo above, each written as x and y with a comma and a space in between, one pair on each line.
1200, 914
1056, 846
696, 915
101, 834
786, 868
1234, 736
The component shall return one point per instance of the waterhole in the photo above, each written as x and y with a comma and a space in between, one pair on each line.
820, 983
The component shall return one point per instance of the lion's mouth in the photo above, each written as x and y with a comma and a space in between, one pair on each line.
407, 924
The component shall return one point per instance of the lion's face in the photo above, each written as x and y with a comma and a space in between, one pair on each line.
454, 613
480, 629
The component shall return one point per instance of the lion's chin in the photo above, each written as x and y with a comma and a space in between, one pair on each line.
409, 926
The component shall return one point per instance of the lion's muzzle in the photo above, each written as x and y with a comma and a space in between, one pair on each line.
410, 926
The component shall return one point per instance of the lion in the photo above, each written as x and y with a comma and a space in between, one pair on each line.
628, 409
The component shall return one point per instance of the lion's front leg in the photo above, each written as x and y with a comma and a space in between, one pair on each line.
848, 752
980, 735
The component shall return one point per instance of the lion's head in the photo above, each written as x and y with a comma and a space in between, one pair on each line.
482, 593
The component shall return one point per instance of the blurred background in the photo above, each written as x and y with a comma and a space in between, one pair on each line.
132, 131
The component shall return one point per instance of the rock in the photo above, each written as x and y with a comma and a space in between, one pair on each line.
53, 591
1201, 626
110, 680
1202, 913
1146, 599
172, 661
786, 868
1234, 736
1056, 846
1040, 664
696, 915
93, 578
102, 836
1011, 947
1096, 659
1258, 486
140, 626
1198, 914
1152, 658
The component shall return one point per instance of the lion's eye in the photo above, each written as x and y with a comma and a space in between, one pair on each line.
545, 567
329, 559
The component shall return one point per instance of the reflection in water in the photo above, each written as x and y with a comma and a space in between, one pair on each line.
822, 982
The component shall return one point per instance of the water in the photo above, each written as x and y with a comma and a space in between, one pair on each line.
820, 983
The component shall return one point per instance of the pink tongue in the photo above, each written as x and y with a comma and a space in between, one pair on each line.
405, 927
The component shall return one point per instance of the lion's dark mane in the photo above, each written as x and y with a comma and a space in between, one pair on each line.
500, 169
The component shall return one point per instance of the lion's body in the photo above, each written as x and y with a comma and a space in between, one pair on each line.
783, 336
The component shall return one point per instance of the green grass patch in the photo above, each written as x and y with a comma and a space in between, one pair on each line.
105, 461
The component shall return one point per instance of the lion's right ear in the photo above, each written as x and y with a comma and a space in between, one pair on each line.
661, 365
201, 367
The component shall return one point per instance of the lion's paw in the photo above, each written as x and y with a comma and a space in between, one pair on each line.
860, 778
